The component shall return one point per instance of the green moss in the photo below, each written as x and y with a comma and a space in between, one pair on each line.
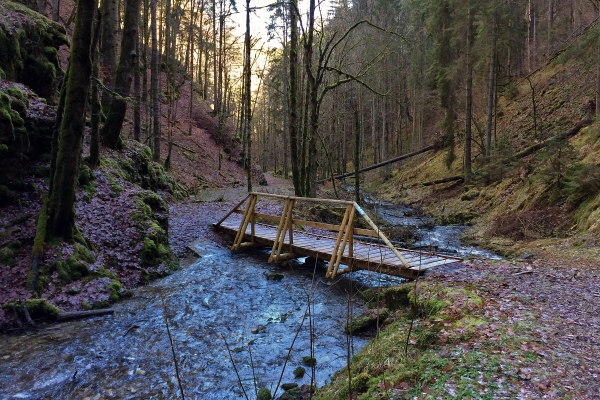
149, 248
28, 44
162, 250
115, 187
100, 304
37, 308
100, 273
368, 319
7, 257
299, 372
86, 305
264, 394
86, 175
76, 266
309, 361
115, 289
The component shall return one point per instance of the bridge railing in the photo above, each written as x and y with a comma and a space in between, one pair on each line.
286, 222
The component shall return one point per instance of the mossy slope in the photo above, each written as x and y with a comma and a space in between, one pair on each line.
28, 45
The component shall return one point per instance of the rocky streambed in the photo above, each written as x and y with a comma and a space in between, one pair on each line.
217, 298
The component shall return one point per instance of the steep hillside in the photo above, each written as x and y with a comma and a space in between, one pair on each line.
553, 191
121, 206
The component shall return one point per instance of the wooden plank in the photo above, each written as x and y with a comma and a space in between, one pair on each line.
365, 232
434, 264
320, 225
365, 256
309, 199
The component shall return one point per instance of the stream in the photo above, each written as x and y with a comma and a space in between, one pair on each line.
444, 239
218, 297
220, 306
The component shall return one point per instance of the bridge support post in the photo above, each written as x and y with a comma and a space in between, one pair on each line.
345, 232
285, 225
246, 219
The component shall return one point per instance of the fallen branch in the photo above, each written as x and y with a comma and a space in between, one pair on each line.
529, 271
185, 148
571, 132
382, 164
68, 316
164, 303
26, 313
443, 180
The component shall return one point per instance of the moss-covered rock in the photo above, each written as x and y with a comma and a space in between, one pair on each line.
24, 136
152, 217
393, 297
37, 308
309, 361
264, 394
299, 372
367, 320
28, 44
139, 168
76, 266
7, 256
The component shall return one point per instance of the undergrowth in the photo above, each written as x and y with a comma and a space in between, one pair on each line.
451, 351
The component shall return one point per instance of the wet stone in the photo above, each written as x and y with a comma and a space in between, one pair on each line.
299, 372
275, 276
288, 386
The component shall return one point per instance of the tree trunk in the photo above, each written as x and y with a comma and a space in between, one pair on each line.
154, 86
247, 89
469, 102
491, 90
356, 157
55, 10
111, 130
191, 66
294, 98
286, 104
61, 215
94, 158
550, 25
60, 109
598, 76
312, 86
137, 88
108, 48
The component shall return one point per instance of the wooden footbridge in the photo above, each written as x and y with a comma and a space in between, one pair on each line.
334, 243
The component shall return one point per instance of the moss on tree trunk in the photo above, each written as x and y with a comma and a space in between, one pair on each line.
61, 216
111, 130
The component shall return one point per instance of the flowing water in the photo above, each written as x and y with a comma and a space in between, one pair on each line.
218, 297
445, 239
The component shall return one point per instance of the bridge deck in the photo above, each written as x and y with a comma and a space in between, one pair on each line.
365, 256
